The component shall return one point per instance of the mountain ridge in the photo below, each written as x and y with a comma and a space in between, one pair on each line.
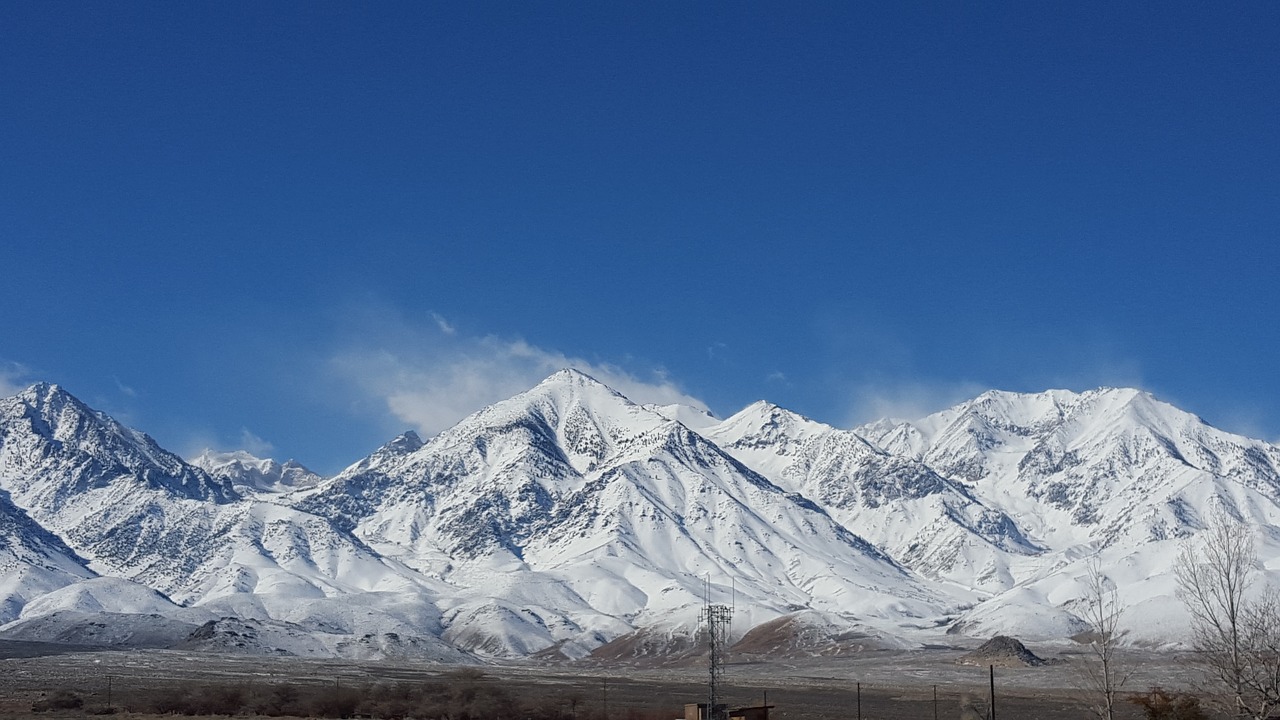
568, 518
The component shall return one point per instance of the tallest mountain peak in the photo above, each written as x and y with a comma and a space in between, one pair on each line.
570, 385
571, 376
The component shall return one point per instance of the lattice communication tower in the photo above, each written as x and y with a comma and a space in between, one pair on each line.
716, 619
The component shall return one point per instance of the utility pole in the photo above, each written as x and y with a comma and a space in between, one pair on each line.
992, 668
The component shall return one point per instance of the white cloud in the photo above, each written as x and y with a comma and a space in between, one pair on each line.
445, 326
909, 400
124, 389
13, 378
430, 378
254, 445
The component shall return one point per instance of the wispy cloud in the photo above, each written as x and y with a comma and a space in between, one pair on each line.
14, 378
124, 389
430, 376
254, 445
445, 326
908, 400
196, 443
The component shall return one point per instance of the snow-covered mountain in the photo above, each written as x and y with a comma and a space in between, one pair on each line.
1104, 466
33, 561
137, 512
929, 523
603, 517
248, 473
568, 520
1110, 471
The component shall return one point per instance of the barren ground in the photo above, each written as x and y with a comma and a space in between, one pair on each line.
894, 684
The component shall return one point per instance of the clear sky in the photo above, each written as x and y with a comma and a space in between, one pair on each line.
304, 227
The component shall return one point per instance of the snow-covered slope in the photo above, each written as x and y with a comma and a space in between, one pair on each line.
593, 516
33, 561
928, 523
1114, 471
1104, 466
137, 512
568, 519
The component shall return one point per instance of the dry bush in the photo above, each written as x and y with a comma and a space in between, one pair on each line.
216, 700
335, 702
277, 700
1157, 704
58, 700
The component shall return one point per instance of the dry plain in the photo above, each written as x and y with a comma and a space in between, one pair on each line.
895, 684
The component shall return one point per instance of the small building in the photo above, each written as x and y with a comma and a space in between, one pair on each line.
756, 712
698, 711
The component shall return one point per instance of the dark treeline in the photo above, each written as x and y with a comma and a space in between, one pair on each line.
462, 695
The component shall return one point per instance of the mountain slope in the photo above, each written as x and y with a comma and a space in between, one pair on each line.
928, 523
601, 516
33, 561
568, 519
1101, 466
1114, 472
137, 512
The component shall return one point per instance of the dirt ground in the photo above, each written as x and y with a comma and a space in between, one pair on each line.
878, 685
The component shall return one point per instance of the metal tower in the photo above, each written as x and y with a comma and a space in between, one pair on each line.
716, 619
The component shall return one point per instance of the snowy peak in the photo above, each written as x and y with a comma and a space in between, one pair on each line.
568, 516
763, 425
1110, 462
47, 427
926, 522
691, 417
569, 417
54, 414
244, 470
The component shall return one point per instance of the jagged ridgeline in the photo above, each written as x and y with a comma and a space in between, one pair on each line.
568, 520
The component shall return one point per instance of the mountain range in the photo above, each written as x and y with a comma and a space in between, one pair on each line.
568, 522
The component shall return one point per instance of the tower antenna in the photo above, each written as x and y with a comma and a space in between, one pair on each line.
716, 619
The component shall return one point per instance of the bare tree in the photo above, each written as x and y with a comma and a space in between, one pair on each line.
1101, 674
1261, 654
1236, 640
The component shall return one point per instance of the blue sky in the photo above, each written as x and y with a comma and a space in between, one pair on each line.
304, 227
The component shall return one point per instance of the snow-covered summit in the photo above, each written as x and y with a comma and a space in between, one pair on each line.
929, 523
1089, 459
48, 435
247, 471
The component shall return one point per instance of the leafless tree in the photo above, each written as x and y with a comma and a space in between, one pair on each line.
1261, 655
1236, 640
1101, 673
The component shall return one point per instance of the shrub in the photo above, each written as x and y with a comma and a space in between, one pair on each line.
1157, 704
282, 699
216, 700
336, 702
58, 700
